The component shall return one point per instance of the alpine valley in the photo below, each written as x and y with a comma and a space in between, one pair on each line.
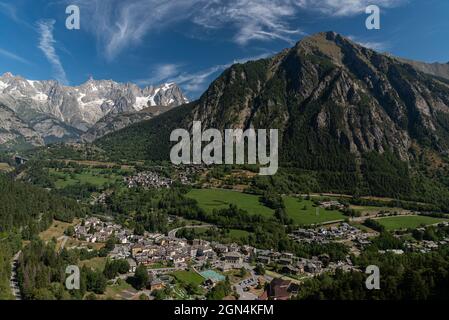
363, 181
357, 120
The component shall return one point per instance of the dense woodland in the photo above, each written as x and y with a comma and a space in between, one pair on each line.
25, 210
412, 276
31, 210
41, 273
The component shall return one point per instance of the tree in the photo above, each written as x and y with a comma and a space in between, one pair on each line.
259, 269
96, 281
110, 243
139, 230
221, 290
282, 215
70, 231
140, 277
143, 296
114, 267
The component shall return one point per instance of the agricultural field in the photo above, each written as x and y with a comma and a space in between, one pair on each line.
210, 199
408, 222
304, 213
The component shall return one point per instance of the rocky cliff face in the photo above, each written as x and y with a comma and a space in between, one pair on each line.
61, 113
13, 131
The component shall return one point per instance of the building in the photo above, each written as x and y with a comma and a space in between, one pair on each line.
156, 285
233, 258
132, 265
278, 289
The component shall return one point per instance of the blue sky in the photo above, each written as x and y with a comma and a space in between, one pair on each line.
191, 41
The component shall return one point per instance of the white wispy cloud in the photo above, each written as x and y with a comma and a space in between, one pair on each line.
47, 45
9, 10
345, 7
160, 73
252, 19
13, 56
119, 25
374, 45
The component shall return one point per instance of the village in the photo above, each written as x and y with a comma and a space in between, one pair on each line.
253, 273
164, 255
147, 180
152, 179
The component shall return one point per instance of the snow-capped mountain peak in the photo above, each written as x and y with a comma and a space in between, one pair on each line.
82, 106
71, 110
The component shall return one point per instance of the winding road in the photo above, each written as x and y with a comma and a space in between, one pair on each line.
172, 233
14, 283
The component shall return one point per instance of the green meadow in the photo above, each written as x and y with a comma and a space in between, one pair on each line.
408, 222
300, 210
210, 199
304, 213
87, 176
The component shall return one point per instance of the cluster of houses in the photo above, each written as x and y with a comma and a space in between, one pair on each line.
186, 173
331, 205
151, 179
148, 179
290, 264
426, 246
171, 252
342, 231
94, 230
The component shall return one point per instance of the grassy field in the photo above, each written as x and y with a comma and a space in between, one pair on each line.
5, 167
56, 230
117, 290
302, 212
96, 263
234, 235
407, 222
238, 234
188, 277
210, 199
91, 176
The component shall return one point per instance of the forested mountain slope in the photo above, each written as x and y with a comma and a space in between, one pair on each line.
365, 121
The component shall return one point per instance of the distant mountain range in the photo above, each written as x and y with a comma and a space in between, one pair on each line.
437, 69
343, 110
37, 112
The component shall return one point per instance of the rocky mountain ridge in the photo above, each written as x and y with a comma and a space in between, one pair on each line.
63, 113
